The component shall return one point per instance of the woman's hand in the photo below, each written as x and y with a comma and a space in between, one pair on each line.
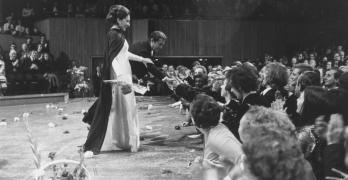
278, 105
147, 60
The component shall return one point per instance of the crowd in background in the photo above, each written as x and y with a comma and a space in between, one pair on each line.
268, 119
322, 10
28, 69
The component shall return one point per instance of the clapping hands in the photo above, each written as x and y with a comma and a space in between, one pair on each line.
278, 105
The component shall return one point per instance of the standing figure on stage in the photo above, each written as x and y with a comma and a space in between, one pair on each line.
115, 124
147, 49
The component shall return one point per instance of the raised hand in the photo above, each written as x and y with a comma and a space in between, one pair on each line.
278, 105
344, 175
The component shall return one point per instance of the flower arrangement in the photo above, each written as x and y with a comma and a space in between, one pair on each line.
78, 80
59, 172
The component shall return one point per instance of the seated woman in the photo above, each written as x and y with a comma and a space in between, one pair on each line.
14, 74
313, 102
24, 52
219, 141
231, 106
40, 52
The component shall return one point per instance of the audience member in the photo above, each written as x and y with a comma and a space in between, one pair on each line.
27, 14
27, 32
244, 85
344, 81
36, 32
19, 28
313, 102
331, 78
275, 78
3, 80
47, 71
45, 43
219, 141
24, 52
30, 44
32, 70
14, 74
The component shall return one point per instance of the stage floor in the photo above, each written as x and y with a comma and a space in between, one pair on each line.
163, 147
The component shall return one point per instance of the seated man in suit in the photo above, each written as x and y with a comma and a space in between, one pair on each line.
146, 49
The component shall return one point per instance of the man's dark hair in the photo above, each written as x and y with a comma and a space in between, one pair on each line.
157, 35
244, 78
303, 67
338, 73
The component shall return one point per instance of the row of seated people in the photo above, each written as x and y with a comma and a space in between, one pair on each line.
298, 96
29, 74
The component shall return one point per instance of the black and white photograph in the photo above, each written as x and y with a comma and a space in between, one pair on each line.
173, 90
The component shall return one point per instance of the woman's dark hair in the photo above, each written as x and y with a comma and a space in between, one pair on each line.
341, 97
344, 81
308, 78
117, 11
228, 76
244, 78
205, 111
317, 102
273, 154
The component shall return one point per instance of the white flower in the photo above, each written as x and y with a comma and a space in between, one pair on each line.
26, 114
47, 106
38, 173
16, 119
51, 125
3, 123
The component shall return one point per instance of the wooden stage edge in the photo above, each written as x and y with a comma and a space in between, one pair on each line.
33, 99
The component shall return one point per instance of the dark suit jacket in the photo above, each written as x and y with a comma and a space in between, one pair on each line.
27, 62
143, 49
251, 100
96, 81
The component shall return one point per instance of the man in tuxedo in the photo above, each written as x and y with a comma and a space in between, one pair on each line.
97, 81
146, 49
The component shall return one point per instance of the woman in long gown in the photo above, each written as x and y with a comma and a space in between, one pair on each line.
115, 121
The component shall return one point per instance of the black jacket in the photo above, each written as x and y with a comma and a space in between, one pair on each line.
251, 100
143, 49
